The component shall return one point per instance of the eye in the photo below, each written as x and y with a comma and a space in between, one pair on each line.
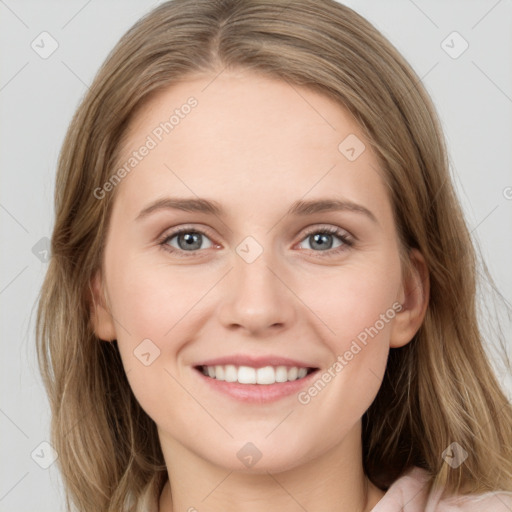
186, 240
322, 239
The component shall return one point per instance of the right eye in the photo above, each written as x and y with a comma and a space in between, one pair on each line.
185, 240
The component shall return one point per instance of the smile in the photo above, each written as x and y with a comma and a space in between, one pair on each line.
255, 385
249, 375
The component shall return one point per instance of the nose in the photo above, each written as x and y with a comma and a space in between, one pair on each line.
256, 298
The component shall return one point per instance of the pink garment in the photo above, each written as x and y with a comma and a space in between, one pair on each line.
408, 494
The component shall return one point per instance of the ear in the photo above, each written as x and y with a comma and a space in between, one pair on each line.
414, 297
101, 318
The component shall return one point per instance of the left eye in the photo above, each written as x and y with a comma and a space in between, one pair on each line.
324, 240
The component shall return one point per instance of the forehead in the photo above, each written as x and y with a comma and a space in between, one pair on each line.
247, 137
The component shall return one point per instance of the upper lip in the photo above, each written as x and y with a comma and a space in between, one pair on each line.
255, 361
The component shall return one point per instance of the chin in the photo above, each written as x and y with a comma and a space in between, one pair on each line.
258, 457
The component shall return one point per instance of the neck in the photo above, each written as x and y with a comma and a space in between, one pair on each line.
334, 480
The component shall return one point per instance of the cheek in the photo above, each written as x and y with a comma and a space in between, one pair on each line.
147, 309
355, 308
150, 310
150, 300
352, 300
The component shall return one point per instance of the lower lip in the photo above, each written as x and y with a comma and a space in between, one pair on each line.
257, 393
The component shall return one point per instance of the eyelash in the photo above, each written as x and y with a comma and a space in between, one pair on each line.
346, 239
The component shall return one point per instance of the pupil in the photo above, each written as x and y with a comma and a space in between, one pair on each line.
191, 240
320, 239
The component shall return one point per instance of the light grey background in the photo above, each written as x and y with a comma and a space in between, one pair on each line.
473, 94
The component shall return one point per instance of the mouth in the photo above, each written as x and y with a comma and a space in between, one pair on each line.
266, 375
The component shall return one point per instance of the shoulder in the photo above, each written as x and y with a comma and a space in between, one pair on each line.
498, 501
409, 494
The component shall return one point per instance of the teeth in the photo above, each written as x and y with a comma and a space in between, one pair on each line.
219, 372
293, 373
246, 375
266, 375
230, 373
249, 375
281, 374
302, 373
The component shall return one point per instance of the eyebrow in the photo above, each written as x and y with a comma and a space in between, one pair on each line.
301, 208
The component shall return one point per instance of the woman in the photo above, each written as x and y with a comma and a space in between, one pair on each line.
322, 350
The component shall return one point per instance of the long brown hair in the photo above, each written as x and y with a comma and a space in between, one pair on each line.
437, 389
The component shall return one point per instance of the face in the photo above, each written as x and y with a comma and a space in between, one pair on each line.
222, 259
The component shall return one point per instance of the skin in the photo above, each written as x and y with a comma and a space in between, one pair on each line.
255, 145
